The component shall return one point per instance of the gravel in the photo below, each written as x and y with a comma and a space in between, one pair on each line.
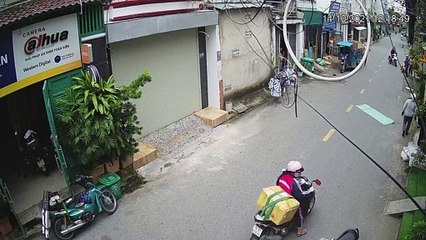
176, 137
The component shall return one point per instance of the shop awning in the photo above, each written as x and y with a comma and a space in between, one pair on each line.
360, 28
316, 18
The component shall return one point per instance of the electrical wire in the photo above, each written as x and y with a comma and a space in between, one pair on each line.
365, 154
258, 42
243, 23
423, 211
265, 61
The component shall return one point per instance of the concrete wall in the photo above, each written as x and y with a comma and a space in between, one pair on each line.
300, 41
242, 64
172, 59
213, 65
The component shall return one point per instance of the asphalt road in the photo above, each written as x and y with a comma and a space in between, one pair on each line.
212, 193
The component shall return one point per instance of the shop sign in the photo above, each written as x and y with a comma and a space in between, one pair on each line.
333, 12
7, 64
44, 50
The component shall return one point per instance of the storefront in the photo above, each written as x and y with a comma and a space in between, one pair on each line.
39, 56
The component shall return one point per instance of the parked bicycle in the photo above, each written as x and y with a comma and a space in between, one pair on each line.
286, 82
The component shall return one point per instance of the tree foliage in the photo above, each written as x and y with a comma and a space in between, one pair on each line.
98, 121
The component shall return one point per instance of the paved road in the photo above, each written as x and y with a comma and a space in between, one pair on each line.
212, 193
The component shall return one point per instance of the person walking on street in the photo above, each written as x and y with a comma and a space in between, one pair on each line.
406, 65
364, 46
408, 112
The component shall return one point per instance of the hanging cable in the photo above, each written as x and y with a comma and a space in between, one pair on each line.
366, 155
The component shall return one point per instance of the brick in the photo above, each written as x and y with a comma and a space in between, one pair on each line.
127, 162
212, 116
145, 155
113, 166
96, 172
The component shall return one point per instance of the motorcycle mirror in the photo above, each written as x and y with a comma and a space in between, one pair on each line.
350, 234
317, 182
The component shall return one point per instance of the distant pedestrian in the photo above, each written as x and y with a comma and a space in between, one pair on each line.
364, 46
408, 112
410, 70
406, 65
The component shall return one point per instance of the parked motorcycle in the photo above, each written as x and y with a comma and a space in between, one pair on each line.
393, 59
265, 228
36, 156
64, 217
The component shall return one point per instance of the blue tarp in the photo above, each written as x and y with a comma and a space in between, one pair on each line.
345, 44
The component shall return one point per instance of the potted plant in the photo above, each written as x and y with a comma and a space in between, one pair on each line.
98, 121
5, 225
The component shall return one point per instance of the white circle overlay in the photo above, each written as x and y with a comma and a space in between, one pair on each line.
290, 51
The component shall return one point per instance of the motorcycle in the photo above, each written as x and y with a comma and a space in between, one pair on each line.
350, 234
64, 217
36, 156
393, 59
264, 228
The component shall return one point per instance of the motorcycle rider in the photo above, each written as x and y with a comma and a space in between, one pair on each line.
393, 51
290, 182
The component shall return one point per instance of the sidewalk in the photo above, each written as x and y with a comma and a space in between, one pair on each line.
182, 138
416, 186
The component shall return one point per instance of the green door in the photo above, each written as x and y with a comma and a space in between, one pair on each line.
4, 193
53, 90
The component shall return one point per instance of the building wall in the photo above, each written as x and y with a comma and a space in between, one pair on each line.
213, 65
172, 59
242, 65
300, 41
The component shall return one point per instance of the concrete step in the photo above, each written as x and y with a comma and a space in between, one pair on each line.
212, 116
145, 155
404, 205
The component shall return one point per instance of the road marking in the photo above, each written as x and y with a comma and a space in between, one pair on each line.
328, 136
362, 91
349, 108
369, 80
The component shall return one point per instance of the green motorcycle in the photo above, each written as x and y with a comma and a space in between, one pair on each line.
63, 217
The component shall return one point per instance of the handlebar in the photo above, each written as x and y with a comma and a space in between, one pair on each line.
80, 179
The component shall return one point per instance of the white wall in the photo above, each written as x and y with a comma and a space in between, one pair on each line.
246, 68
300, 41
213, 65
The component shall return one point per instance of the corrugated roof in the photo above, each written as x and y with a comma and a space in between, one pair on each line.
31, 8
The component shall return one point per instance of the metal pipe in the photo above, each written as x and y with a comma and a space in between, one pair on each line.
75, 227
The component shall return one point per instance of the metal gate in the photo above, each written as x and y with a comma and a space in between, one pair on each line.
53, 90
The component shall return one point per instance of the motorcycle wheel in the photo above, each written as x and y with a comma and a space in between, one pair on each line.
284, 231
108, 202
311, 205
58, 225
254, 237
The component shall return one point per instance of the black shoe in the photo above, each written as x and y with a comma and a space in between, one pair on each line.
403, 133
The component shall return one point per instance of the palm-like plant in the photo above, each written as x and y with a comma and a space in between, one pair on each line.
98, 121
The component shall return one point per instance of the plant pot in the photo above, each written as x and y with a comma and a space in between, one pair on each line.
5, 226
113, 166
127, 162
96, 172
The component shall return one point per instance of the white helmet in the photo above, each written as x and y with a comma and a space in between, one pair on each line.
294, 166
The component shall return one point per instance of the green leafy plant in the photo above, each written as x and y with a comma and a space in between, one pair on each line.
98, 120
418, 231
